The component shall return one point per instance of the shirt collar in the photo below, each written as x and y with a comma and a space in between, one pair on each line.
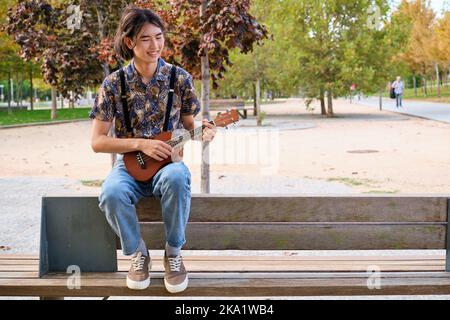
134, 76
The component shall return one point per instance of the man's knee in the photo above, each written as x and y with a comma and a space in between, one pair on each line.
112, 193
176, 175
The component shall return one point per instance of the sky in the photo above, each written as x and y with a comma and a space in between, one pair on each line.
437, 5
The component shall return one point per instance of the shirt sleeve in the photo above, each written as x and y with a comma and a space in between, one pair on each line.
104, 104
189, 102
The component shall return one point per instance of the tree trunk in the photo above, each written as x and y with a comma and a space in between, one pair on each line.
205, 183
330, 103
71, 100
255, 107
424, 81
258, 102
106, 72
438, 81
31, 88
20, 89
112, 133
102, 34
10, 89
323, 110
415, 85
53, 113
446, 78
17, 90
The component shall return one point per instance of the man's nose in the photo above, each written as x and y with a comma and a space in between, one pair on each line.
154, 43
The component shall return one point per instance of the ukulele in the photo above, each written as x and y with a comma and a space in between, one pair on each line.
143, 167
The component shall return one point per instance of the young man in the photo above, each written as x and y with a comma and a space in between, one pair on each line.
398, 89
140, 37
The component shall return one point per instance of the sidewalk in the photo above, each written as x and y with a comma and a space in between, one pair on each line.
422, 109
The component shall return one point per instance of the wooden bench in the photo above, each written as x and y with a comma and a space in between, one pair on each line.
223, 104
75, 232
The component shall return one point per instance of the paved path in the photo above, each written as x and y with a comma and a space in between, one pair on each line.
427, 110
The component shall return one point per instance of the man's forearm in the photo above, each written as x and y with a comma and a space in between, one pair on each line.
106, 144
188, 122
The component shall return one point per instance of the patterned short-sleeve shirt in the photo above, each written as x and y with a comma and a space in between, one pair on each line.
146, 102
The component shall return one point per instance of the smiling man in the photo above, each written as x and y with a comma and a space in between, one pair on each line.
140, 37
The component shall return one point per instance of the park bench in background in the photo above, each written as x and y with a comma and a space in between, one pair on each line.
223, 104
75, 232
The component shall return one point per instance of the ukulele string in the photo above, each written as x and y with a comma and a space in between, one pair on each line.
173, 143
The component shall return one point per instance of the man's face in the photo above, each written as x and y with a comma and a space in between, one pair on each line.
149, 44
398, 78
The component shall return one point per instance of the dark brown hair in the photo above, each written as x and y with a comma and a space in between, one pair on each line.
131, 23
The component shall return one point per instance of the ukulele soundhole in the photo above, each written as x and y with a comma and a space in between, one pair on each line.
140, 160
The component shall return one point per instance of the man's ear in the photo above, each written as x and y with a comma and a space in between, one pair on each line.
129, 43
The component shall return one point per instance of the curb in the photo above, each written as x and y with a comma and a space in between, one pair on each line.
41, 123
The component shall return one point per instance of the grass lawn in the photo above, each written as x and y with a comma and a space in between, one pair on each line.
431, 96
25, 116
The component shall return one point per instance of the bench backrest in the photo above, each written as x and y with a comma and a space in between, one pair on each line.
75, 232
305, 222
226, 103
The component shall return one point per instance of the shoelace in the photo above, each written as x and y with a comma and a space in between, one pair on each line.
138, 262
175, 263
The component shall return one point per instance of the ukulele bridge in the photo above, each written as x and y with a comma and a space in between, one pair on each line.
140, 160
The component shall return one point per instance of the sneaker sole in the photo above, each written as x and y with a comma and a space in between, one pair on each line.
178, 287
138, 285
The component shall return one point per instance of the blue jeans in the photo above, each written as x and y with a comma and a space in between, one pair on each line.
121, 192
399, 97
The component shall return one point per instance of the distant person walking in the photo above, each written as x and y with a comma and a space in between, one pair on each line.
398, 89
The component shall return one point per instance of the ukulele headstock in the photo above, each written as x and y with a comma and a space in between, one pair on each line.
226, 118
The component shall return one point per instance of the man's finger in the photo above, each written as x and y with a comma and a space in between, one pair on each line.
166, 146
207, 124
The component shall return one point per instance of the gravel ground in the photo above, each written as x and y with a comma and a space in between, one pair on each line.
20, 211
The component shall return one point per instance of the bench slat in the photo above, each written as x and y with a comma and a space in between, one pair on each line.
216, 208
190, 255
274, 265
222, 286
247, 236
261, 275
227, 275
20, 274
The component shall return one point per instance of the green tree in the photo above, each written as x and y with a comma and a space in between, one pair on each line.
70, 58
338, 43
413, 25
